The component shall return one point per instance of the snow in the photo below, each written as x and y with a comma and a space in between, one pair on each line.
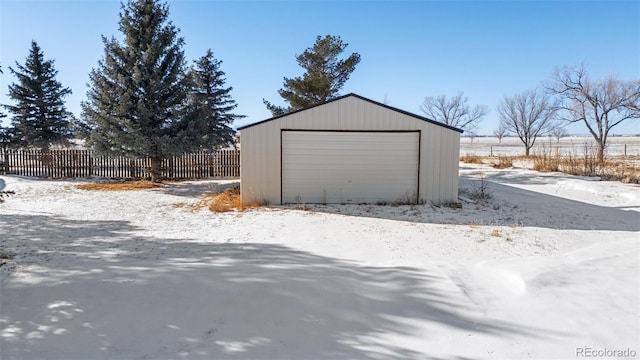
570, 145
548, 265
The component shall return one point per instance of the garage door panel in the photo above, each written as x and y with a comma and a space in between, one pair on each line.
348, 167
362, 165
395, 152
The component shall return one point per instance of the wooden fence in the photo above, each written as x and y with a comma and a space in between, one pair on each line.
84, 163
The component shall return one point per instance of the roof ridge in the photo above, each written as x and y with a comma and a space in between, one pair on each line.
361, 98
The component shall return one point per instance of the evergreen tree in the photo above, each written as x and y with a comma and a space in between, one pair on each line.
8, 138
208, 118
2, 115
324, 77
4, 132
7, 134
39, 116
138, 92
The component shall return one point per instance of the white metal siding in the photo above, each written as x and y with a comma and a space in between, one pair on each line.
260, 155
349, 167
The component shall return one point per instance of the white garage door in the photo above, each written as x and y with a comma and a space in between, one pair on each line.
349, 167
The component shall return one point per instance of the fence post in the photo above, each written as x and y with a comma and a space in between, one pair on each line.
132, 168
5, 164
90, 163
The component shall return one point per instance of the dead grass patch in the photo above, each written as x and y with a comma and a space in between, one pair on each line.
545, 163
474, 224
503, 162
120, 186
620, 170
496, 233
580, 162
226, 201
453, 205
471, 159
586, 164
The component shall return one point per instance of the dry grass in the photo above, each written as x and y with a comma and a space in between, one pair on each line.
622, 171
226, 201
504, 162
581, 162
472, 159
453, 205
496, 233
586, 164
545, 163
120, 186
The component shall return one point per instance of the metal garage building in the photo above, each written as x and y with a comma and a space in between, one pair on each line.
349, 150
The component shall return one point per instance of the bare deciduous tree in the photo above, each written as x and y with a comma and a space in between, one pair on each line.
528, 114
600, 105
558, 132
500, 132
454, 111
471, 134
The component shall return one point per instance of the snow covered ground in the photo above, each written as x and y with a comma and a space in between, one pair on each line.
573, 145
546, 269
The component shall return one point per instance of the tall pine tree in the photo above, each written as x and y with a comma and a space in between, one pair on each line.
137, 94
2, 115
325, 75
5, 135
208, 115
39, 116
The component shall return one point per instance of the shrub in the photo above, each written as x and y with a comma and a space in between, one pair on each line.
479, 190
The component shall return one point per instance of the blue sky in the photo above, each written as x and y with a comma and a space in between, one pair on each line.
409, 49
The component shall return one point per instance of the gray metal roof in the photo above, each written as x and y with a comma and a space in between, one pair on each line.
361, 98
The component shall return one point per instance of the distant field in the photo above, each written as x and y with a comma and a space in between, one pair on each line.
485, 146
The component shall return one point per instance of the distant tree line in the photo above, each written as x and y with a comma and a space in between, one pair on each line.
570, 96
